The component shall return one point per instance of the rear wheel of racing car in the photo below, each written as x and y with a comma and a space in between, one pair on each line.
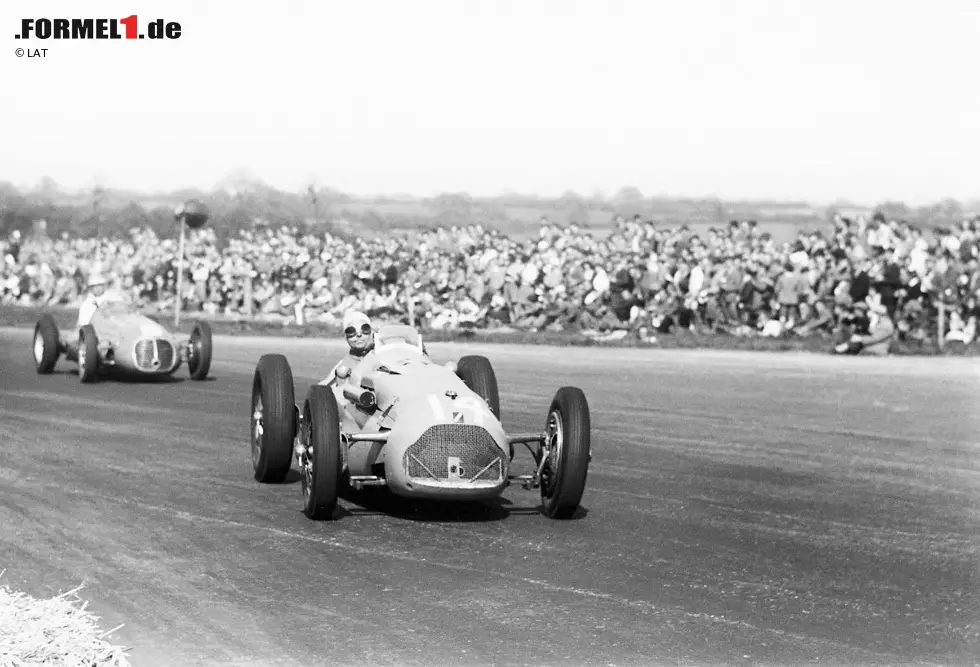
323, 461
46, 345
88, 354
477, 373
273, 419
199, 351
569, 450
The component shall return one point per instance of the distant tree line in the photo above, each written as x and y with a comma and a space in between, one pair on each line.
104, 212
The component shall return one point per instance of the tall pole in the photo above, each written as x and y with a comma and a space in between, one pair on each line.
941, 339
180, 274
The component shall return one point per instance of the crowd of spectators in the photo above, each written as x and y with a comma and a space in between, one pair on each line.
642, 279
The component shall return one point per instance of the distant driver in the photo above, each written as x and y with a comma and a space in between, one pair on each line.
96, 297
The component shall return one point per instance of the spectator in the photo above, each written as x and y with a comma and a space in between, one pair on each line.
642, 277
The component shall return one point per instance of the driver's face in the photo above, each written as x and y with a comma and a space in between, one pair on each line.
359, 339
98, 290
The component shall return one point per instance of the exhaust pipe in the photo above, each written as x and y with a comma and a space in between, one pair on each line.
365, 399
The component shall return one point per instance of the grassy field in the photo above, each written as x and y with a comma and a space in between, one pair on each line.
522, 221
20, 316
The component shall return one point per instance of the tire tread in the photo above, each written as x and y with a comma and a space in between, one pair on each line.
275, 380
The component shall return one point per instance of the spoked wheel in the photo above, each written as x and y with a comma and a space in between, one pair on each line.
258, 428
322, 457
567, 451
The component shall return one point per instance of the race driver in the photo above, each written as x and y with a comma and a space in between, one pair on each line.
359, 333
97, 296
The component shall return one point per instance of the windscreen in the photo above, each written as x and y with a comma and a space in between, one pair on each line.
116, 308
397, 335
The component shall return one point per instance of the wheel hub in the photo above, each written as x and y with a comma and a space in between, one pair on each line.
257, 429
306, 460
38, 347
551, 452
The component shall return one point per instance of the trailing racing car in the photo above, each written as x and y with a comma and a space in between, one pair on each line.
120, 338
424, 430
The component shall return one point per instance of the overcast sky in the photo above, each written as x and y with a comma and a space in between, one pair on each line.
866, 99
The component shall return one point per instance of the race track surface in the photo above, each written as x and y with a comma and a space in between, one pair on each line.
741, 509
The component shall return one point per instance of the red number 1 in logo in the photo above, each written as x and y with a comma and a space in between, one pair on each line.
130, 23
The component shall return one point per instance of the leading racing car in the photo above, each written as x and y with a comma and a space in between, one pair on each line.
121, 338
424, 430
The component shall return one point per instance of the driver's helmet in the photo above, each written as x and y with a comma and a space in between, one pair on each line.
357, 322
98, 287
95, 280
359, 332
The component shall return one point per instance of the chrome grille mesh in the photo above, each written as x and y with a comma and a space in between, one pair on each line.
148, 349
144, 354
445, 448
165, 352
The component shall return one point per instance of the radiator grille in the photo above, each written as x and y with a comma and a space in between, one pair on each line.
165, 352
144, 354
149, 349
455, 452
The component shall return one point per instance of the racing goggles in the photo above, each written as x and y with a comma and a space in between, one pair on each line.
350, 332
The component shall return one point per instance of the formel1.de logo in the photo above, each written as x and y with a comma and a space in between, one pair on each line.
47, 28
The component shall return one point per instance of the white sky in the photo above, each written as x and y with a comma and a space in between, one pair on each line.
864, 99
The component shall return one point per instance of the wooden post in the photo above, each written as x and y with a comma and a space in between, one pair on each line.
248, 294
180, 275
942, 325
300, 310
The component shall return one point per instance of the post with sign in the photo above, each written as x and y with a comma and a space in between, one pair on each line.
193, 214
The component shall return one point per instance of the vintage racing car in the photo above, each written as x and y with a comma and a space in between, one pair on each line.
122, 339
424, 430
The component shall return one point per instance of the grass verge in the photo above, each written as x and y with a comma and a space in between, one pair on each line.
58, 631
27, 316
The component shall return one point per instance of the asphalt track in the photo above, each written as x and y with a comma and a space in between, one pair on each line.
741, 509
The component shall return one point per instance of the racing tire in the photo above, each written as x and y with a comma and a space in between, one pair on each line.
47, 345
569, 425
88, 354
321, 482
477, 373
273, 419
199, 351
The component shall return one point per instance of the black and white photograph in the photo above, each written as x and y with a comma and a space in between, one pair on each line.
599, 333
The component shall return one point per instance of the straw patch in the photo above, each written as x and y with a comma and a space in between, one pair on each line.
58, 631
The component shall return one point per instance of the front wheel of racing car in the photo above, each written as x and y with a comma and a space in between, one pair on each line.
199, 351
47, 342
476, 372
88, 354
322, 460
569, 450
273, 419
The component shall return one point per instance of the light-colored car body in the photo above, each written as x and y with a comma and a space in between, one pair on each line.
120, 338
132, 342
394, 418
441, 440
